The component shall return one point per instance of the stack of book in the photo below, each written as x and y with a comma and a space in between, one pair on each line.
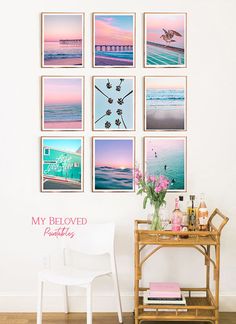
164, 293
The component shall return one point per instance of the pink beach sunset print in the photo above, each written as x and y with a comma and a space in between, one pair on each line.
165, 39
114, 40
113, 164
62, 40
62, 103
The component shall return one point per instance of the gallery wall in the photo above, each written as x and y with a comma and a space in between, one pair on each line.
210, 152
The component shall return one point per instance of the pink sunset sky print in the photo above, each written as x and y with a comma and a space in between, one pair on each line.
62, 91
164, 146
165, 83
155, 23
116, 153
113, 29
60, 26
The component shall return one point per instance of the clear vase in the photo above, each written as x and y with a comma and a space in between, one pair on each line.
156, 221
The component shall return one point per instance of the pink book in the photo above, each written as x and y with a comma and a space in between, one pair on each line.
164, 290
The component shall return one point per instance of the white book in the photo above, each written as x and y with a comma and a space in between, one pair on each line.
165, 310
147, 301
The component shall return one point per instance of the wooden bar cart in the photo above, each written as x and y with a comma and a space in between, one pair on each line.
199, 308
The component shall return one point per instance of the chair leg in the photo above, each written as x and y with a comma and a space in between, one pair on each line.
89, 305
40, 302
66, 304
117, 294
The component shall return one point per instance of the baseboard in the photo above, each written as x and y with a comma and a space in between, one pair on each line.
27, 303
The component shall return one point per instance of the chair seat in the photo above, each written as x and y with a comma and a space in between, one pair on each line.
70, 276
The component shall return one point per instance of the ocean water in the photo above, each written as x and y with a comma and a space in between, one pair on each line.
55, 50
60, 113
174, 160
107, 178
161, 98
127, 55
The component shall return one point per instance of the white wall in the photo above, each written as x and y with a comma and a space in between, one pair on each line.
211, 148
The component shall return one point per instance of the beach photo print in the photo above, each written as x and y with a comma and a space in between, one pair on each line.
62, 103
113, 103
166, 156
165, 39
113, 164
113, 40
62, 39
165, 103
62, 164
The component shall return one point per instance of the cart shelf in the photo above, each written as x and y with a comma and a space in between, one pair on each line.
202, 305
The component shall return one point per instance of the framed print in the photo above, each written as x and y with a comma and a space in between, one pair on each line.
166, 156
165, 39
113, 164
62, 103
62, 39
62, 164
165, 103
113, 103
113, 39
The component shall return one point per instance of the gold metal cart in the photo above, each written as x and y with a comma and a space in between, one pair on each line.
204, 308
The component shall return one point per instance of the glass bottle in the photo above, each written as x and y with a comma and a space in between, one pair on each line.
185, 218
202, 214
183, 208
176, 217
192, 213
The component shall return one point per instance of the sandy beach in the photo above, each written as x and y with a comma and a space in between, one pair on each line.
167, 118
103, 61
76, 125
64, 61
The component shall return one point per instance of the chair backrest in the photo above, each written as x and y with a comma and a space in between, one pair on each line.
95, 239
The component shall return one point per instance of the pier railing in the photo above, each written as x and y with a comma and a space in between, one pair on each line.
115, 48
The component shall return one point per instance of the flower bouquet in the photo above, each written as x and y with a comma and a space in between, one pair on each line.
154, 188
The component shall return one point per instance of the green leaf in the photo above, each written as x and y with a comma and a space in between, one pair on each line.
145, 202
139, 191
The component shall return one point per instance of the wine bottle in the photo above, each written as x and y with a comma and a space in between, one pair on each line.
176, 217
185, 218
183, 208
202, 214
192, 212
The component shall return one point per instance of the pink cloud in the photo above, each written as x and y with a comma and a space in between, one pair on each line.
108, 34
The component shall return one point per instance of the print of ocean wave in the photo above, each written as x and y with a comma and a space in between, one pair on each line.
108, 178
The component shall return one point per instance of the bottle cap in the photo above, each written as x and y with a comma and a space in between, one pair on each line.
181, 198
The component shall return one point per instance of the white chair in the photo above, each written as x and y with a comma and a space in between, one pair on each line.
93, 240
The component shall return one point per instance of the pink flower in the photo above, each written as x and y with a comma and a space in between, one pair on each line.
148, 179
153, 179
138, 175
163, 182
158, 189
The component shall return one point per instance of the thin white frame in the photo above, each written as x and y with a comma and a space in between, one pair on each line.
145, 41
42, 103
94, 159
82, 164
134, 39
43, 14
184, 138
145, 106
94, 102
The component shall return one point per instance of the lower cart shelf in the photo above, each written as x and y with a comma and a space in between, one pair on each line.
197, 308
